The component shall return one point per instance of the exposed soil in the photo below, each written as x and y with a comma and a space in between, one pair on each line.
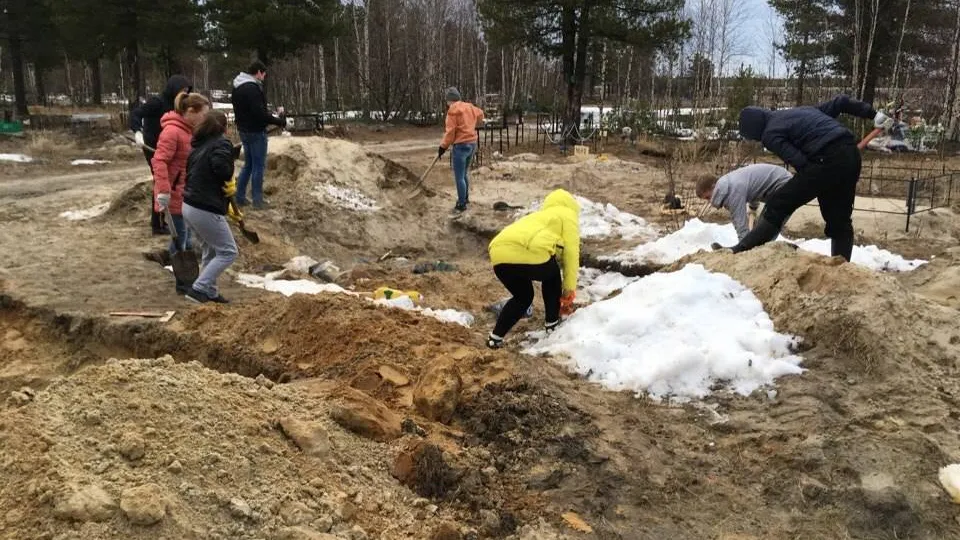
319, 417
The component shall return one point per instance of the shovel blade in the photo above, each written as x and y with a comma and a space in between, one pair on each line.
185, 266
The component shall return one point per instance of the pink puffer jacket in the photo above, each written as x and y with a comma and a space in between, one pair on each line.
170, 161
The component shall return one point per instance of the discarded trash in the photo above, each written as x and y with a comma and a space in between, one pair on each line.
387, 293
438, 266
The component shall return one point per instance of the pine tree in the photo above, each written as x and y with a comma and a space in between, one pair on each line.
274, 29
566, 29
805, 39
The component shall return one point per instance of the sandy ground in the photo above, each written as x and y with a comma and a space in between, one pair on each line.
389, 447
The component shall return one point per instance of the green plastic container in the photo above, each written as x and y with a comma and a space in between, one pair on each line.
11, 127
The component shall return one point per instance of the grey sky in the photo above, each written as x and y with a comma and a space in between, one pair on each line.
757, 37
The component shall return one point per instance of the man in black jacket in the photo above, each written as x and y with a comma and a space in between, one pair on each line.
145, 124
252, 118
826, 158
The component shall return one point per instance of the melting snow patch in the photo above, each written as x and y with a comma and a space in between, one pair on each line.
79, 215
596, 285
871, 257
288, 287
676, 336
599, 220
447, 315
696, 235
346, 198
77, 162
17, 158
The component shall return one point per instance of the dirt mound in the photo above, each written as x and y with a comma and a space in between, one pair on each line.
151, 449
938, 280
347, 339
130, 205
335, 200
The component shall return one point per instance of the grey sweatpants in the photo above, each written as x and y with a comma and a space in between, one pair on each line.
219, 247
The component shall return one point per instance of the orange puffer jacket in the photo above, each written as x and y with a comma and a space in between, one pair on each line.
462, 120
170, 160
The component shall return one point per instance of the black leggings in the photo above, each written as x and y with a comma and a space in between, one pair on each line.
518, 279
831, 178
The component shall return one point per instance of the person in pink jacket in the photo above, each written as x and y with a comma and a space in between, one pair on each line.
169, 164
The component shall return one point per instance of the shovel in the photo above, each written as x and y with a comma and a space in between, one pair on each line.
417, 187
247, 233
184, 261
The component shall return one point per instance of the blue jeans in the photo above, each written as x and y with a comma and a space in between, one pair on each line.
183, 235
254, 163
462, 154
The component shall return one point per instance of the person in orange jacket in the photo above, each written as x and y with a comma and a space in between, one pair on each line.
461, 133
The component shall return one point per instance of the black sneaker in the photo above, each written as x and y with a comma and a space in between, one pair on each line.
551, 326
242, 202
494, 342
196, 296
219, 299
262, 205
459, 209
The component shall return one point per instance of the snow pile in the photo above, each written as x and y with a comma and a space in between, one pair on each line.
595, 285
676, 335
599, 220
346, 198
16, 158
871, 257
691, 238
696, 235
77, 162
446, 315
79, 215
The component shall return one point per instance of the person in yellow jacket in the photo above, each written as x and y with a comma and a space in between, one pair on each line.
461, 134
528, 250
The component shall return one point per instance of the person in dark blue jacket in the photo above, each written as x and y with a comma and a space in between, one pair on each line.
826, 158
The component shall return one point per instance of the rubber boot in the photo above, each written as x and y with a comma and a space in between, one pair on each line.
762, 232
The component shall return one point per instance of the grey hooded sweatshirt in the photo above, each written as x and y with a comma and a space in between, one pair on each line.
748, 185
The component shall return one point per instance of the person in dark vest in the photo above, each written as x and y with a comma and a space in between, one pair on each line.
145, 124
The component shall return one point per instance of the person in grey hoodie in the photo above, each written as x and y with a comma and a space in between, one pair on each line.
739, 188
252, 118
826, 158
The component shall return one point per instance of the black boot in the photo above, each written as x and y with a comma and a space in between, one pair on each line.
842, 245
762, 232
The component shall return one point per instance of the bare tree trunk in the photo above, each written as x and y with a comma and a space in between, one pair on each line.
949, 118
96, 81
322, 73
336, 72
896, 62
366, 56
866, 60
69, 75
857, 43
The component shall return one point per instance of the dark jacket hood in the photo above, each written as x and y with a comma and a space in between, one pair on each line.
753, 120
174, 85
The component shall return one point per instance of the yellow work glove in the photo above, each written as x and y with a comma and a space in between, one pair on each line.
233, 212
230, 188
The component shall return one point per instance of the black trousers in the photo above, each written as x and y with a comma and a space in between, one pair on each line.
157, 222
831, 178
518, 279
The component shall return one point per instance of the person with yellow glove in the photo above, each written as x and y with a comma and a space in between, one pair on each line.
207, 202
543, 246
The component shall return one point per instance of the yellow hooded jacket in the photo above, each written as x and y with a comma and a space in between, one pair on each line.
535, 238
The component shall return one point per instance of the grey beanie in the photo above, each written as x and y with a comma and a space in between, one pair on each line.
452, 94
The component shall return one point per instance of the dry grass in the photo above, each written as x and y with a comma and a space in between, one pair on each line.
853, 344
49, 144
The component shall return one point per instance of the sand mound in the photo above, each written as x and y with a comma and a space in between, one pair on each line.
130, 204
335, 200
155, 449
939, 280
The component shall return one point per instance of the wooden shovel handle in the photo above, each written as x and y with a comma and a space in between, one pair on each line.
870, 136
